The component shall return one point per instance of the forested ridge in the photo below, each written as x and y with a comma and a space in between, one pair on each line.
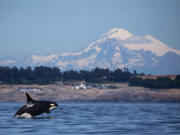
48, 75
159, 83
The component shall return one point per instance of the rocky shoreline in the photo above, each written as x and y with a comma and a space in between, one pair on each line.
68, 93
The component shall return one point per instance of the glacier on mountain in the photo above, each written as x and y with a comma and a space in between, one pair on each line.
117, 48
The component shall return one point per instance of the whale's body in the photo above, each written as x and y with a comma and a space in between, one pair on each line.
34, 108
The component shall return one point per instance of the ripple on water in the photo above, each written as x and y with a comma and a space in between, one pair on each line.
95, 118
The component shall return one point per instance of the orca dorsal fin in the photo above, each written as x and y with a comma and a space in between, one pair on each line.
29, 99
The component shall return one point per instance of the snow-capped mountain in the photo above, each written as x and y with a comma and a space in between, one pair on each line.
117, 48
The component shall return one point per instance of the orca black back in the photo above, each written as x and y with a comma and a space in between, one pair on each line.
29, 99
34, 108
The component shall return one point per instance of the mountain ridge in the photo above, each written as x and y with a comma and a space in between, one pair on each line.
117, 48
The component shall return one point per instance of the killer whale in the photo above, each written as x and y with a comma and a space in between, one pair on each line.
34, 108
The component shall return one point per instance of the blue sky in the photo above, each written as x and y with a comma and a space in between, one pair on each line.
56, 26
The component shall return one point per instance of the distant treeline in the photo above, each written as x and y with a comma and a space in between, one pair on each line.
159, 83
48, 75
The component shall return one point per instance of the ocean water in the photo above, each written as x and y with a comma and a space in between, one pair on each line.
95, 118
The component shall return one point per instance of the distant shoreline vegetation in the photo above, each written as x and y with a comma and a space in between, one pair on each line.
158, 83
48, 75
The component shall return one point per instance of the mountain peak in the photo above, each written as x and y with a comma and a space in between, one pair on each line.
118, 33
117, 48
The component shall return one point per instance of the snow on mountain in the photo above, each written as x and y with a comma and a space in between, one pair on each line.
43, 59
117, 33
155, 46
7, 62
117, 48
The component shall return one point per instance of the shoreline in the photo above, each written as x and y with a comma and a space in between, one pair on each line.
67, 93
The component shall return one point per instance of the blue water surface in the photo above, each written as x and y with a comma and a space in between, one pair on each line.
95, 118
